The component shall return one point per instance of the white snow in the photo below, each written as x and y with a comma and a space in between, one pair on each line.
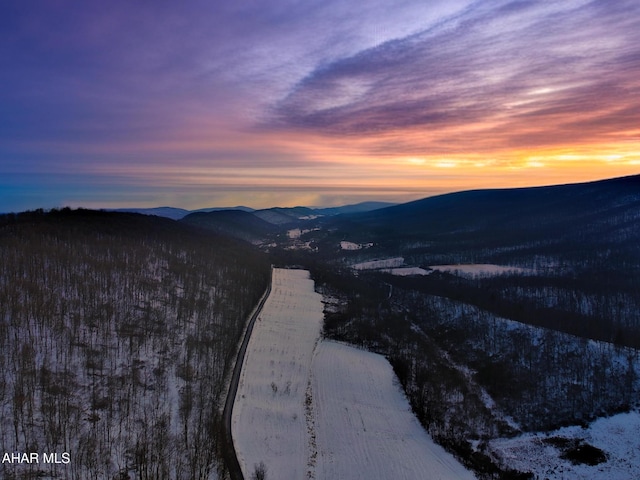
478, 269
345, 245
314, 409
268, 421
301, 246
365, 427
294, 233
617, 436
405, 271
397, 266
376, 264
350, 245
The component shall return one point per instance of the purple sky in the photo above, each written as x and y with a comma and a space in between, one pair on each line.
198, 104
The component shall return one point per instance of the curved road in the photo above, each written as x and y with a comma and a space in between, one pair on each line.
230, 456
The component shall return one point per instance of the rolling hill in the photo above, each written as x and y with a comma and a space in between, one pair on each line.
568, 216
234, 223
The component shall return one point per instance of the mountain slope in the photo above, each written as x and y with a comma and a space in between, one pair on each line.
284, 216
234, 223
603, 211
117, 331
167, 212
354, 208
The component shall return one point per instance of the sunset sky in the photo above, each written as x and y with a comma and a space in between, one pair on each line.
282, 102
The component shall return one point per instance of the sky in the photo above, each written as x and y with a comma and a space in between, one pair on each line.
301, 102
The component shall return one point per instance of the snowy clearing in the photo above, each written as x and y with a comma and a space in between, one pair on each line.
405, 271
365, 427
350, 246
322, 410
302, 246
344, 245
268, 421
478, 269
617, 436
294, 233
375, 264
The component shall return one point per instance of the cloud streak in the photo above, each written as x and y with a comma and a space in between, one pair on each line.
338, 93
523, 73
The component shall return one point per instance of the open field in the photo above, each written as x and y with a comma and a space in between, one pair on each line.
365, 427
268, 422
307, 408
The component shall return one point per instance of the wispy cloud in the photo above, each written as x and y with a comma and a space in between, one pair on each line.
345, 95
522, 73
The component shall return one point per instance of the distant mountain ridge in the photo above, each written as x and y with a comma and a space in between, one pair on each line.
276, 215
167, 212
247, 224
284, 216
174, 213
354, 208
234, 223
599, 211
571, 216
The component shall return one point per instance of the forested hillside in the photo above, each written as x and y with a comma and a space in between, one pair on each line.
471, 375
116, 332
502, 311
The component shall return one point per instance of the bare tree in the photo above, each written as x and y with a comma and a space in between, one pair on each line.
259, 472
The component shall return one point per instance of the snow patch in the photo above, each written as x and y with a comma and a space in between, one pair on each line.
294, 233
479, 269
344, 245
377, 264
617, 436
406, 271
364, 424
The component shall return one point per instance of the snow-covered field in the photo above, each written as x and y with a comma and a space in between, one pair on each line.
268, 421
617, 436
397, 266
405, 271
365, 428
350, 245
344, 245
296, 233
478, 269
313, 409
383, 263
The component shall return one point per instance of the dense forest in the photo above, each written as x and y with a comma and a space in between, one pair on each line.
471, 375
116, 332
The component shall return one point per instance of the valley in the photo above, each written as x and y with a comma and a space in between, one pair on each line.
509, 318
